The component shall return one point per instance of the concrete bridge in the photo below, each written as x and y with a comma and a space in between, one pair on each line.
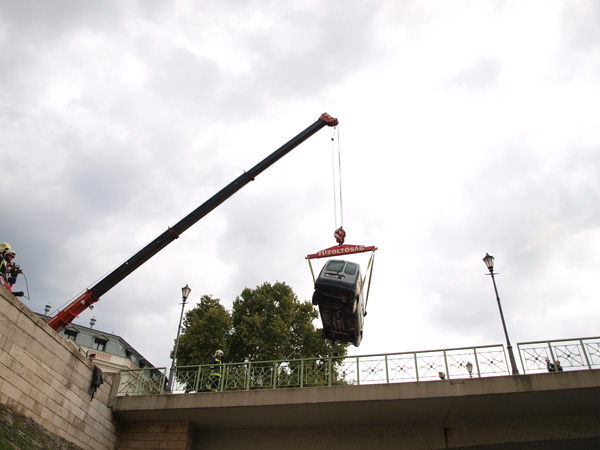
538, 411
381, 401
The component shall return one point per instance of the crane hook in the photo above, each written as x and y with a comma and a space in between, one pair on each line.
340, 235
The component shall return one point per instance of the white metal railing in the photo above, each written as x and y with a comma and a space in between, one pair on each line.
573, 354
142, 381
456, 363
327, 371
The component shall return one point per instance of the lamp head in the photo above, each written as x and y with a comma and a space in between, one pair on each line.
185, 292
470, 367
489, 262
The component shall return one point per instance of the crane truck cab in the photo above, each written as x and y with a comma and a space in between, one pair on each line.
339, 296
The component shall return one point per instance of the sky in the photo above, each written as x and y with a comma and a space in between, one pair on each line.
465, 128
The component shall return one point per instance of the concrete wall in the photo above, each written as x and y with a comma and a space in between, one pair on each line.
157, 435
46, 378
546, 433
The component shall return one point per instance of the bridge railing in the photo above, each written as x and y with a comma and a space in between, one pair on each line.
573, 354
466, 362
327, 371
146, 381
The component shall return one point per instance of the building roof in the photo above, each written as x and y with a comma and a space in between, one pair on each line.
112, 351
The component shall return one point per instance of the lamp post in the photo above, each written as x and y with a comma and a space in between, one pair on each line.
470, 369
185, 292
489, 262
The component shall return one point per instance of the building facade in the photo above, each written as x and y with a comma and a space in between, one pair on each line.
113, 353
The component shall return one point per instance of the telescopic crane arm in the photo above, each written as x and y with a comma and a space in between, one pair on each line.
93, 294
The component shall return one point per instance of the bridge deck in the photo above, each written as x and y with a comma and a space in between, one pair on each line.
568, 393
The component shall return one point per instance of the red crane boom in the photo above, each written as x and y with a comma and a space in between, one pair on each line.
92, 295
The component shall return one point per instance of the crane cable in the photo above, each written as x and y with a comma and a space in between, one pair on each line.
337, 188
372, 264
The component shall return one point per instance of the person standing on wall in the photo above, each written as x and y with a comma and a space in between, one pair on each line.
6, 256
8, 269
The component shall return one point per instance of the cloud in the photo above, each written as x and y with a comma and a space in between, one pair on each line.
462, 132
482, 74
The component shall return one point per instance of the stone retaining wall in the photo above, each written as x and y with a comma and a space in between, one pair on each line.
46, 378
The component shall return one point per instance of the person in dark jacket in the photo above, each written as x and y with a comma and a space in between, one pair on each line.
96, 376
216, 364
8, 269
554, 367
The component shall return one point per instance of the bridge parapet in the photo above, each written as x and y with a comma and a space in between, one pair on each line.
573, 354
327, 371
429, 365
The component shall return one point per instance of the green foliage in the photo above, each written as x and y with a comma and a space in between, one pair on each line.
20, 432
266, 323
205, 329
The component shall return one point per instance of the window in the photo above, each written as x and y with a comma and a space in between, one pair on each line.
350, 269
335, 266
70, 334
100, 344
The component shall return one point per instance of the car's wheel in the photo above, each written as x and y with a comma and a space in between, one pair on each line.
315, 298
357, 339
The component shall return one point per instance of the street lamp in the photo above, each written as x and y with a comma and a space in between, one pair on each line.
185, 292
470, 369
489, 262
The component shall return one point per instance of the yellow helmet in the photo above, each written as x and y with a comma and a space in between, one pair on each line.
219, 352
5, 247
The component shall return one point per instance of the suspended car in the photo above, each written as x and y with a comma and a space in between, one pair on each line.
339, 296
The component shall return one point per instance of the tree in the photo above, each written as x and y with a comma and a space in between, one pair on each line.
269, 323
205, 329
266, 323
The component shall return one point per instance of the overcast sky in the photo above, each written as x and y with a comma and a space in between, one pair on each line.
466, 127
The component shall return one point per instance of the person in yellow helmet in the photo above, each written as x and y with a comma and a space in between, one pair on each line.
216, 364
6, 256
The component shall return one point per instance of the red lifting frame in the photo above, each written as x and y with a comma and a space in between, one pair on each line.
339, 250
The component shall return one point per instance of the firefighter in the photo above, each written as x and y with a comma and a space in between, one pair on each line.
216, 364
6, 256
4, 248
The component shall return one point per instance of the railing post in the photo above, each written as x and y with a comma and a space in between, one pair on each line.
387, 373
224, 372
302, 373
172, 382
551, 352
329, 370
587, 360
357, 372
139, 381
446, 364
198, 380
163, 379
521, 358
506, 360
416, 366
477, 363
248, 375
